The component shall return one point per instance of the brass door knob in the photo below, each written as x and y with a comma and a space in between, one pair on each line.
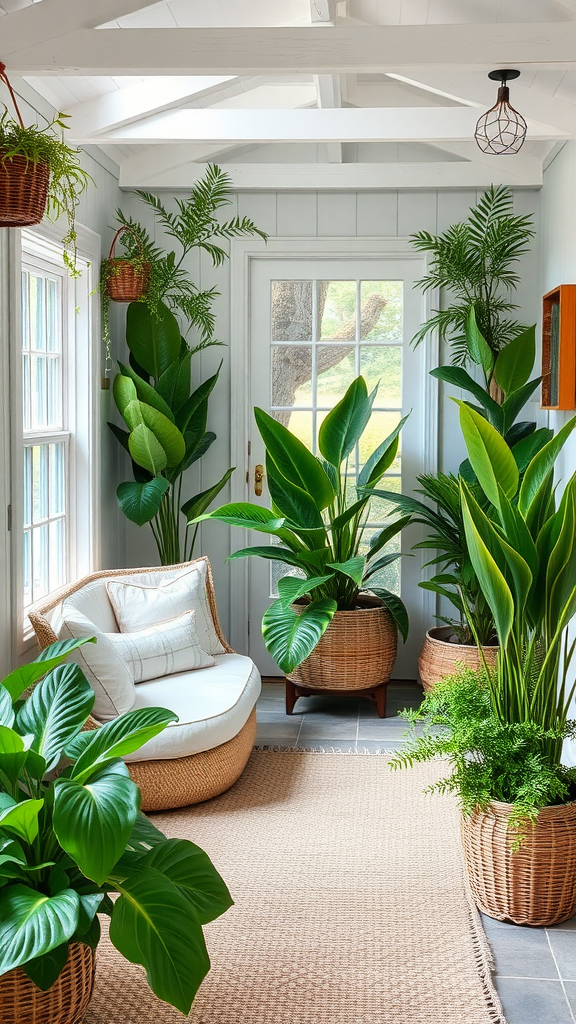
258, 479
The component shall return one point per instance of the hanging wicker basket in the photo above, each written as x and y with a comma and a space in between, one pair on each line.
126, 281
357, 651
65, 1002
439, 658
23, 183
535, 884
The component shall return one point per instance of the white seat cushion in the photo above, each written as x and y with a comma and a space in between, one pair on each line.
212, 704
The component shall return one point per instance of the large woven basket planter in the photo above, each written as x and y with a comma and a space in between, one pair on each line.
66, 1002
534, 885
357, 651
439, 658
23, 191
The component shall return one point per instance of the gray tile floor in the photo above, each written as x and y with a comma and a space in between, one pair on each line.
535, 968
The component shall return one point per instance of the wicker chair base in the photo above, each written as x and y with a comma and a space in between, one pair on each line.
23, 191
439, 658
181, 781
535, 885
64, 1003
357, 652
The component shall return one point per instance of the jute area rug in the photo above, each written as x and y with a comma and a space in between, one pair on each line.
350, 903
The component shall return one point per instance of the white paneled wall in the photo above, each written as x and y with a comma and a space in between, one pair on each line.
312, 215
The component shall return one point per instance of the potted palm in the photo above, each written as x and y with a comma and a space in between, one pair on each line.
68, 842
325, 631
38, 173
505, 731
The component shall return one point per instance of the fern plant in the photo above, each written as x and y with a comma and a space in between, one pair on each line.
476, 261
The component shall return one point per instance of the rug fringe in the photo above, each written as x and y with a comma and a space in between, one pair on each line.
484, 962
363, 752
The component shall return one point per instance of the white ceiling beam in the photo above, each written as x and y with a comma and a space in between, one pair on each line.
478, 91
328, 92
155, 161
373, 177
40, 23
140, 99
314, 50
240, 126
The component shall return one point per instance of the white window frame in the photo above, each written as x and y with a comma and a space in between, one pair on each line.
41, 247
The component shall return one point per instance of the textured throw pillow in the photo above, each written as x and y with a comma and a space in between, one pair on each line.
162, 650
107, 673
137, 606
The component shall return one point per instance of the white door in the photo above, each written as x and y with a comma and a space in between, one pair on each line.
314, 324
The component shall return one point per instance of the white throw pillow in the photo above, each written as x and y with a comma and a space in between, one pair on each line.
137, 606
107, 673
162, 650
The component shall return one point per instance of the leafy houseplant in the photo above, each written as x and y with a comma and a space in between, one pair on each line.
166, 418
523, 551
38, 173
474, 261
318, 532
67, 843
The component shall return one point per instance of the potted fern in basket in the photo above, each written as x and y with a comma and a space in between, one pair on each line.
68, 842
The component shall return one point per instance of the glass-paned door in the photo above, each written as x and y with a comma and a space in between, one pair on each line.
314, 326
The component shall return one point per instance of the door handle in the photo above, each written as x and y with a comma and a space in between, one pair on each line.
258, 479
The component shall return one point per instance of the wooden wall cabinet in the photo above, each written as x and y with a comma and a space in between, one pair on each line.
559, 348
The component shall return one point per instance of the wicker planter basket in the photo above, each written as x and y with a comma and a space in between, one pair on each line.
21, 1002
439, 658
357, 651
534, 885
23, 191
124, 281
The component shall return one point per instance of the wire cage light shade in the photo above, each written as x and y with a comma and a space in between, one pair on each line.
501, 129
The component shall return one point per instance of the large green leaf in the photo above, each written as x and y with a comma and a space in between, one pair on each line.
93, 821
344, 425
196, 401
146, 393
561, 568
382, 458
20, 819
153, 337
155, 924
55, 711
274, 552
292, 501
21, 678
353, 568
118, 738
32, 924
146, 450
291, 588
491, 580
525, 449
166, 433
491, 458
396, 607
124, 391
174, 384
514, 363
293, 460
541, 465
459, 378
44, 970
200, 502
13, 751
192, 871
478, 347
6, 708
251, 517
141, 502
290, 637
515, 402
379, 540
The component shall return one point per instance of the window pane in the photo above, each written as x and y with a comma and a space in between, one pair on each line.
337, 310
40, 538
336, 371
56, 471
39, 410
27, 511
25, 312
300, 423
381, 510
52, 332
56, 554
381, 311
27, 568
389, 575
37, 313
380, 425
54, 393
382, 365
292, 375
39, 482
292, 311
26, 410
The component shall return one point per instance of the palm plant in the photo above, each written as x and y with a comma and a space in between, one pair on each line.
475, 262
68, 842
318, 533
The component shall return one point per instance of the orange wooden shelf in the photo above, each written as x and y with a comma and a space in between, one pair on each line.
559, 348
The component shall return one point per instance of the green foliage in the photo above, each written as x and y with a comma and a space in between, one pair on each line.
320, 533
165, 414
475, 262
489, 758
67, 178
66, 843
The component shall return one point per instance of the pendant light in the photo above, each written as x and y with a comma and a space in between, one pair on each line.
501, 129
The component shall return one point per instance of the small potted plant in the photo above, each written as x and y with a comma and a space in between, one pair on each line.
325, 631
504, 730
38, 173
68, 842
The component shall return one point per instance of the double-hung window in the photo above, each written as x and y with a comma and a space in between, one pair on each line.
56, 513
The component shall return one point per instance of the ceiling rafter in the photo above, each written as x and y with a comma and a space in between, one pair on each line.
328, 91
41, 23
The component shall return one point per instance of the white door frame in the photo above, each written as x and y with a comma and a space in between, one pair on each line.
243, 253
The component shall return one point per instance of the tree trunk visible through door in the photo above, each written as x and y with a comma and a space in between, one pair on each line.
291, 312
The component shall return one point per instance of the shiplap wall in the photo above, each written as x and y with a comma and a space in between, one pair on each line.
316, 215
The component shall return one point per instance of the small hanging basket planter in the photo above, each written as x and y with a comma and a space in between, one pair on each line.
23, 183
126, 280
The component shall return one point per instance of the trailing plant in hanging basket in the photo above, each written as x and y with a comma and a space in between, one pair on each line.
39, 174
122, 278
